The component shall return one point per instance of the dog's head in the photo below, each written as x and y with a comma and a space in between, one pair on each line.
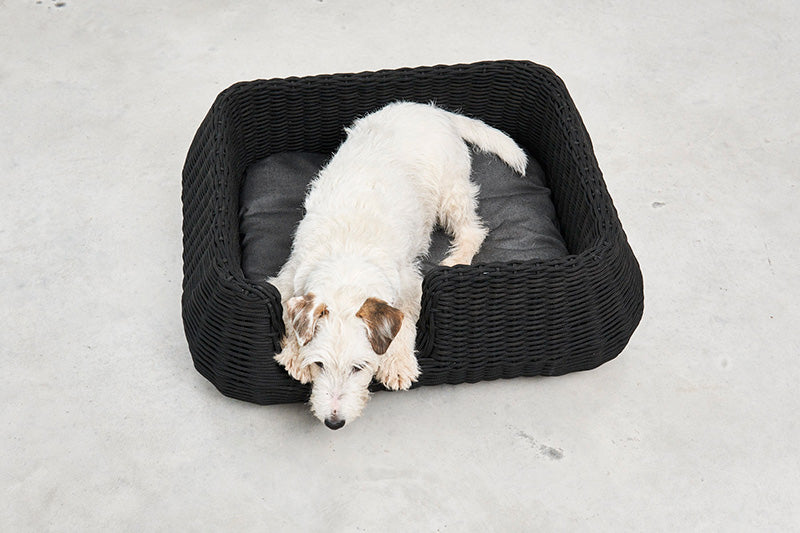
342, 352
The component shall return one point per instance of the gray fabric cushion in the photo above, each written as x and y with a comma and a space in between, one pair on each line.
517, 210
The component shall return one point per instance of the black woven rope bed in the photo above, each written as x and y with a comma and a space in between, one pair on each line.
479, 322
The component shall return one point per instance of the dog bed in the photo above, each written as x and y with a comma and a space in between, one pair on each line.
545, 307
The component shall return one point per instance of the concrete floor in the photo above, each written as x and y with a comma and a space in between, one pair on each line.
693, 110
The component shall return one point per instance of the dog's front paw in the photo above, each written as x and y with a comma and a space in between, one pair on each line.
398, 373
289, 358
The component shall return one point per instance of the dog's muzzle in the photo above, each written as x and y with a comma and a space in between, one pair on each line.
334, 422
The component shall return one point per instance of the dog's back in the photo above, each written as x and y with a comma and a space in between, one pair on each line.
395, 176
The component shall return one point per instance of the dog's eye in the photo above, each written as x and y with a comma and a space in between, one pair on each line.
357, 369
319, 364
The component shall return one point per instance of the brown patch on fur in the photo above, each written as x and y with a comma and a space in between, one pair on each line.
304, 311
383, 322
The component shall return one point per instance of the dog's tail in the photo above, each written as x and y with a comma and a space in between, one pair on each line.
491, 140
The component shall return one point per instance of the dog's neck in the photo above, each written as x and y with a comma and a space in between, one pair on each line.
345, 282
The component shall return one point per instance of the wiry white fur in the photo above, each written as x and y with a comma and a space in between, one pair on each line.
369, 216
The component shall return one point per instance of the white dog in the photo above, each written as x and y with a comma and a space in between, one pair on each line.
351, 288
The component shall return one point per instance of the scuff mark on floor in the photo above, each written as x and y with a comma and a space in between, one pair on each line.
548, 451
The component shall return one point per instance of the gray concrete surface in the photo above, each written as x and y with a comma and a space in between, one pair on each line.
693, 110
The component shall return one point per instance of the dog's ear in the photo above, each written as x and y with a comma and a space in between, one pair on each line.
383, 322
304, 311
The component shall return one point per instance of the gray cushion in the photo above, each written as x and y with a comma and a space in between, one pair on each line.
517, 210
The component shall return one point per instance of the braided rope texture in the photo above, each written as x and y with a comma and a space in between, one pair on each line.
479, 322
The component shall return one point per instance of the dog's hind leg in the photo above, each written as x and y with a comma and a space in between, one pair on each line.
459, 217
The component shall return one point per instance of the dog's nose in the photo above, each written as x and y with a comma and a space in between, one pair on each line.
334, 422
